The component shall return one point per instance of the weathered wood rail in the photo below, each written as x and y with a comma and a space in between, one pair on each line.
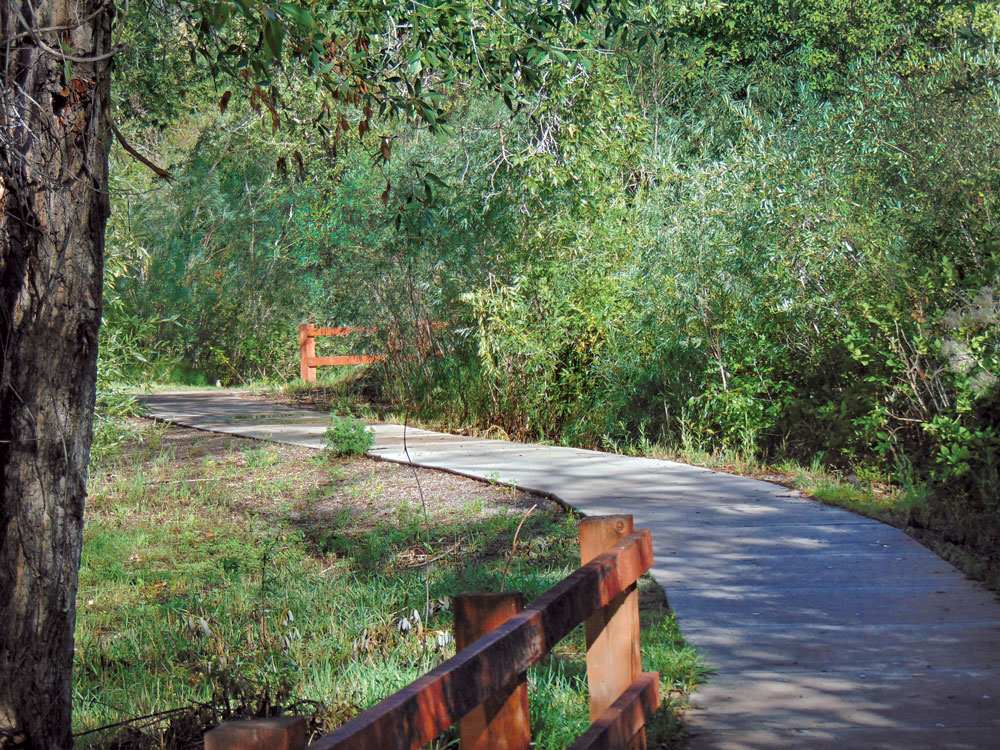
308, 361
483, 688
308, 333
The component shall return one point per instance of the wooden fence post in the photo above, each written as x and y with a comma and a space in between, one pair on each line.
624, 724
613, 649
501, 722
307, 350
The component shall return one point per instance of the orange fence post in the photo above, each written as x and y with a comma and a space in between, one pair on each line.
501, 722
613, 649
308, 361
488, 666
307, 352
623, 725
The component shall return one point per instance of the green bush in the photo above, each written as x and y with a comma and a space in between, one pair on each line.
347, 436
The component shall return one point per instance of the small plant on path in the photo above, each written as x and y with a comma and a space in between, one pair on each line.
347, 436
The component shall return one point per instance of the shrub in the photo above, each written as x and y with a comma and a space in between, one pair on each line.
347, 436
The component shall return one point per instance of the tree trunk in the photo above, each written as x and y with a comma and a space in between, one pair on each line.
54, 134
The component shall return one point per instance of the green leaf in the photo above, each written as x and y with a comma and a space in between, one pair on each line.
68, 66
298, 14
431, 177
414, 63
274, 34
244, 8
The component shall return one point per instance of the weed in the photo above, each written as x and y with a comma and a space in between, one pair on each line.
259, 457
347, 436
474, 506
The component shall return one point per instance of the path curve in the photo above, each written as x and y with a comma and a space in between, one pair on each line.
826, 629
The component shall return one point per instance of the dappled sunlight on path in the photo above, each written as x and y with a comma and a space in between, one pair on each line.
825, 629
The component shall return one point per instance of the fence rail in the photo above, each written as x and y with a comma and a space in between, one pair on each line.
308, 333
483, 687
308, 361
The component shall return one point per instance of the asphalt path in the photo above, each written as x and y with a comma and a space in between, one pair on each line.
825, 629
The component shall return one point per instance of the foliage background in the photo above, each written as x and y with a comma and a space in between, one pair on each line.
773, 230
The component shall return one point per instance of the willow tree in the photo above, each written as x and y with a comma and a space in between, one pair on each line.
368, 59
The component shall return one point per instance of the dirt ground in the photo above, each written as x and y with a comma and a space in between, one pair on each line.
369, 488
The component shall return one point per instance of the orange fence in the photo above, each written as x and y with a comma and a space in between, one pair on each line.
308, 361
483, 688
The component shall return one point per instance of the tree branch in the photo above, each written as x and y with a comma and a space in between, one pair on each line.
160, 172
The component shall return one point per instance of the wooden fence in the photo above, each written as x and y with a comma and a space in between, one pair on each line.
483, 688
308, 361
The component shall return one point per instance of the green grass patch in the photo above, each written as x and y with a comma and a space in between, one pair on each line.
222, 577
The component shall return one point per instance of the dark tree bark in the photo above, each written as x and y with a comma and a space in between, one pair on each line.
54, 134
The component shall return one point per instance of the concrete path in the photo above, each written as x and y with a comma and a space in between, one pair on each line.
825, 629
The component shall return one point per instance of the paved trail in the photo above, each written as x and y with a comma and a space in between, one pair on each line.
826, 629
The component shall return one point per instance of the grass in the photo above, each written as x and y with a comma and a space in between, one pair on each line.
223, 577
